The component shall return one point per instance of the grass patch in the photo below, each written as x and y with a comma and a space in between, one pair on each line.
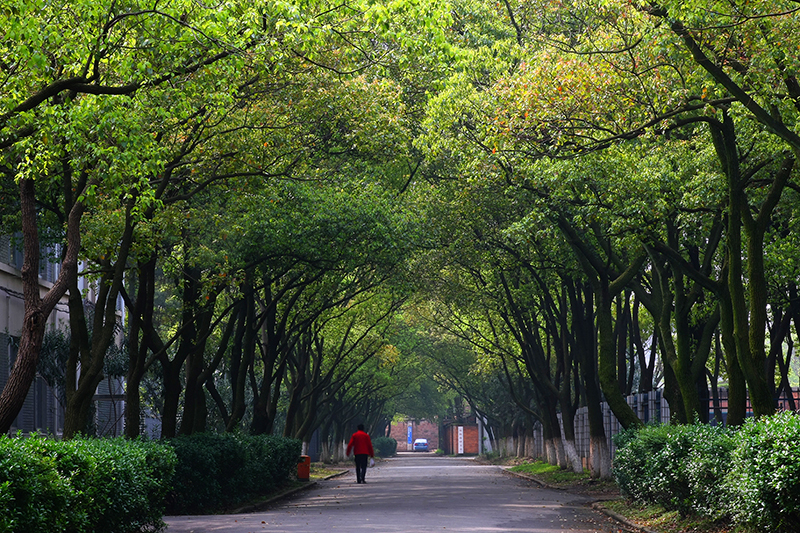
652, 517
566, 479
321, 471
551, 474
535, 468
656, 518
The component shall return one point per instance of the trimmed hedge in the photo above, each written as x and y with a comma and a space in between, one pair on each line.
385, 446
217, 471
751, 475
678, 467
764, 482
83, 485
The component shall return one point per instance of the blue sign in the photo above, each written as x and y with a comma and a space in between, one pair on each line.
409, 434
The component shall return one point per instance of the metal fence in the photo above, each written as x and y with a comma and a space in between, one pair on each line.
650, 407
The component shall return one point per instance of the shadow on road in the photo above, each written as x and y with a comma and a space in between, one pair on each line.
417, 492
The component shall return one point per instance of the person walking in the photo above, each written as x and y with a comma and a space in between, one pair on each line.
361, 446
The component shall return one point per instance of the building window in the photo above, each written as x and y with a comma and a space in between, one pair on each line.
17, 254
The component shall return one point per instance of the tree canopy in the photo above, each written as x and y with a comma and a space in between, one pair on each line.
316, 212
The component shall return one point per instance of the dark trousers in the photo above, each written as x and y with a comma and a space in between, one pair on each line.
361, 466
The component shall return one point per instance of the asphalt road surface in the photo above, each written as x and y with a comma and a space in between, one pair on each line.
417, 492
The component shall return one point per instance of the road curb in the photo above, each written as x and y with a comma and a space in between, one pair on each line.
337, 474
260, 506
619, 518
597, 505
529, 477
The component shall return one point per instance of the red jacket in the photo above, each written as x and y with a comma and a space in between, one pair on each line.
360, 444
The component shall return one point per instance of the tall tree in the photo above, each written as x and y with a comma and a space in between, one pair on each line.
64, 73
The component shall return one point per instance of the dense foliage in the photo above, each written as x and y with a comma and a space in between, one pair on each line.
83, 485
317, 213
764, 479
231, 173
384, 446
749, 475
677, 466
217, 471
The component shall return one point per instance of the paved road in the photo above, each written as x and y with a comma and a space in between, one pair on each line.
417, 493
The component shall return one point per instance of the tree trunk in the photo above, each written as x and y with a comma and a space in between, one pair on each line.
714, 379
238, 367
173, 387
585, 348
195, 410
607, 365
646, 364
748, 306
599, 458
622, 315
572, 458
105, 322
139, 312
171, 395
552, 432
737, 387
37, 308
605, 284
298, 374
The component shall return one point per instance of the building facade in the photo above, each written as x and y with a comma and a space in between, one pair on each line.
407, 431
43, 411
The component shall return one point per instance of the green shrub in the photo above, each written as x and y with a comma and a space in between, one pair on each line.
35, 496
97, 485
385, 446
679, 467
270, 460
634, 465
708, 464
203, 460
491, 456
125, 482
217, 471
764, 484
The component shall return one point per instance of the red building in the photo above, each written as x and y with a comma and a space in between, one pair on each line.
460, 438
407, 431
